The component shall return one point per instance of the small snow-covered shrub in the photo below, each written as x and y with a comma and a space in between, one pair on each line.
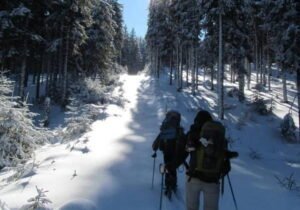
86, 103
46, 111
293, 87
95, 91
119, 69
259, 105
228, 106
288, 182
245, 116
207, 83
231, 141
233, 92
3, 206
259, 87
23, 171
288, 128
18, 135
38, 202
79, 119
254, 155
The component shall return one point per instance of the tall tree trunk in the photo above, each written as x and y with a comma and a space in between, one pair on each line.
256, 55
298, 96
38, 78
171, 68
157, 63
197, 67
49, 58
51, 73
65, 70
61, 57
23, 69
181, 69
159, 66
265, 60
261, 65
193, 66
241, 78
284, 89
269, 71
187, 61
204, 73
249, 75
177, 65
220, 73
231, 74
151, 61
56, 67
212, 74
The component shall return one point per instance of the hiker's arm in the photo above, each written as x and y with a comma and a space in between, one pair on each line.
227, 164
192, 141
155, 144
226, 167
231, 154
182, 154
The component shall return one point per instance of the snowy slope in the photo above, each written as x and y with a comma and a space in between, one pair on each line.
110, 168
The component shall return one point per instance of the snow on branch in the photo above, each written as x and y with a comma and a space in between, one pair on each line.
40, 201
20, 11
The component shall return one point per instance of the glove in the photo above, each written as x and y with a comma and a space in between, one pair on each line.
154, 155
190, 149
231, 154
162, 168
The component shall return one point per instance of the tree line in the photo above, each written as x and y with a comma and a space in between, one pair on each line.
188, 35
61, 41
133, 53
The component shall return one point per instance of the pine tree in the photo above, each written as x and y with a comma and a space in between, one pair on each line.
237, 39
99, 49
118, 37
18, 135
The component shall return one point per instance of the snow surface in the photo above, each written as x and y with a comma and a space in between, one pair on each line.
110, 168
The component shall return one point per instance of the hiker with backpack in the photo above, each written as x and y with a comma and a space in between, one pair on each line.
209, 161
171, 141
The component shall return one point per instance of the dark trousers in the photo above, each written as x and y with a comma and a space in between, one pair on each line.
171, 173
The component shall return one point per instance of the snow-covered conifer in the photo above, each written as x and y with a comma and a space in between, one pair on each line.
18, 134
38, 202
288, 128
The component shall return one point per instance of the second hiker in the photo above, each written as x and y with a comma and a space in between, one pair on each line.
171, 141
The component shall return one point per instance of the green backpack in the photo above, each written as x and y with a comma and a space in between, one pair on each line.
211, 153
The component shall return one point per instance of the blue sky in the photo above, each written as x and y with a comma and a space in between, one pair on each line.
135, 15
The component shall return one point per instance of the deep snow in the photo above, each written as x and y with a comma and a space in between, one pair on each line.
110, 168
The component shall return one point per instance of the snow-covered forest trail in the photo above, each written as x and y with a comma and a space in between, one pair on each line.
111, 166
129, 138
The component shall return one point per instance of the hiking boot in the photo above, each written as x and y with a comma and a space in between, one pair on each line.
174, 189
168, 193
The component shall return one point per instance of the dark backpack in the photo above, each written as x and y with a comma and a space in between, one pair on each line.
210, 154
169, 129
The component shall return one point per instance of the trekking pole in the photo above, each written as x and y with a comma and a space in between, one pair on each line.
291, 107
234, 200
162, 171
154, 158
